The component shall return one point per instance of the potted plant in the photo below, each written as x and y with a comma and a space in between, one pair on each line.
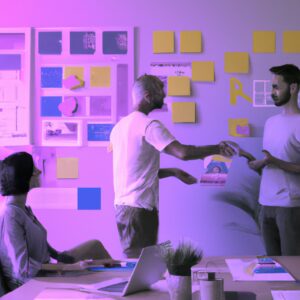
179, 261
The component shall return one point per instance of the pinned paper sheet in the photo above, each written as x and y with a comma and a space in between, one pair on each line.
264, 41
163, 42
190, 42
239, 127
179, 86
236, 62
291, 41
100, 76
203, 71
76, 71
184, 112
67, 168
236, 89
73, 82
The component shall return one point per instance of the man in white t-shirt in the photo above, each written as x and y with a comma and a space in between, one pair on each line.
137, 141
280, 168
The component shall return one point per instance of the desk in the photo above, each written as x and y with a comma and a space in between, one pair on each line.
235, 290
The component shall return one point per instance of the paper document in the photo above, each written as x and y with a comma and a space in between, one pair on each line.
252, 270
286, 295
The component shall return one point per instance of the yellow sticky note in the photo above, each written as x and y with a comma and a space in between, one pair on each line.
163, 42
236, 90
179, 86
190, 41
77, 71
264, 41
67, 168
220, 158
184, 112
100, 76
203, 71
236, 62
239, 127
291, 41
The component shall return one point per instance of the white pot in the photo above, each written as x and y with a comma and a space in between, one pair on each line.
180, 287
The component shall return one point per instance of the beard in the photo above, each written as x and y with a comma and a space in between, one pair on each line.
283, 99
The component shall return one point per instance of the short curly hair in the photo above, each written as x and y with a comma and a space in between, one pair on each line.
15, 173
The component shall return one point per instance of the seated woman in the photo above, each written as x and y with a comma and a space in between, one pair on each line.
23, 239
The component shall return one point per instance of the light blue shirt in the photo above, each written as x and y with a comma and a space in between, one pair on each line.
23, 244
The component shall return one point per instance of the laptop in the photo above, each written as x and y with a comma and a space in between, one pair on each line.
149, 269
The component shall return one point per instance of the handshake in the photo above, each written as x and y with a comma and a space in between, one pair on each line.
229, 149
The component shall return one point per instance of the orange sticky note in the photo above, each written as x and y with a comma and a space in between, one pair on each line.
291, 41
67, 168
203, 71
163, 42
236, 62
264, 42
100, 76
239, 127
184, 112
190, 41
179, 86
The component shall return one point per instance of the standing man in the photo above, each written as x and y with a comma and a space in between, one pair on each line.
280, 168
136, 142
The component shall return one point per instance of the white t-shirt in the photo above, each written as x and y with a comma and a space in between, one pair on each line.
282, 140
136, 142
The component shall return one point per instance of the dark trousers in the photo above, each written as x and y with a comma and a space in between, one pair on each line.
280, 228
137, 227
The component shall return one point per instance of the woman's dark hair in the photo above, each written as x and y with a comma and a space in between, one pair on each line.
15, 173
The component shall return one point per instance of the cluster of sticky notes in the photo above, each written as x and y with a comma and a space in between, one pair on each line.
239, 127
98, 132
203, 71
183, 112
264, 41
67, 168
87, 198
179, 86
236, 62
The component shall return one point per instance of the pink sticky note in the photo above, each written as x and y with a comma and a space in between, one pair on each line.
243, 130
73, 82
68, 106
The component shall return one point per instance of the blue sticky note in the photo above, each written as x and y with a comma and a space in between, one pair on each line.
51, 77
49, 106
10, 62
269, 269
99, 132
114, 42
50, 42
129, 267
89, 198
82, 42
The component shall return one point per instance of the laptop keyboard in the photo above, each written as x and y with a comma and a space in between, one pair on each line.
118, 287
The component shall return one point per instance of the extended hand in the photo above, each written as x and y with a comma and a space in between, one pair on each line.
65, 258
228, 148
247, 155
185, 177
257, 165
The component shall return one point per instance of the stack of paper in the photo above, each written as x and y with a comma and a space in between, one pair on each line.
286, 295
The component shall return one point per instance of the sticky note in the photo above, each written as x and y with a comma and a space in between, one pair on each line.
82, 42
76, 71
67, 167
114, 42
184, 112
89, 198
236, 62
236, 90
68, 106
50, 42
73, 82
99, 132
220, 158
179, 86
100, 76
264, 41
100, 106
291, 41
190, 41
239, 127
203, 71
10, 62
49, 106
163, 42
51, 77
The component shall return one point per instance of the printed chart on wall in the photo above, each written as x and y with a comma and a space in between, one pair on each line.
15, 86
83, 80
